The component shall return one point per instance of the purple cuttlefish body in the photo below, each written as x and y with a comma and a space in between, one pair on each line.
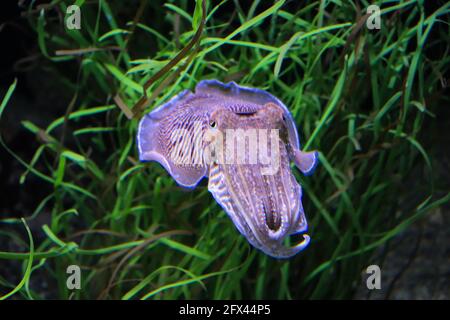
243, 140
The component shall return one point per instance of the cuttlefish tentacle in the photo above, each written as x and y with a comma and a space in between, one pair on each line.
265, 207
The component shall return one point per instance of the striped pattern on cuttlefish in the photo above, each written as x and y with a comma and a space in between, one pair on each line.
192, 136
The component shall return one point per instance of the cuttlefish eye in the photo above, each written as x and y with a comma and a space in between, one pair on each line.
212, 124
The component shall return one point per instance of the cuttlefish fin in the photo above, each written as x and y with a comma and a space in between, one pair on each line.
306, 162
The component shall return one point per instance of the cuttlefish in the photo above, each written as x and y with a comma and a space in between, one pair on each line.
243, 140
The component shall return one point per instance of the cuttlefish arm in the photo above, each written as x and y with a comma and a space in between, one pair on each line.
173, 135
265, 207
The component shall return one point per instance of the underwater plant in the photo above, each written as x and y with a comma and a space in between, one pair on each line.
75, 193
